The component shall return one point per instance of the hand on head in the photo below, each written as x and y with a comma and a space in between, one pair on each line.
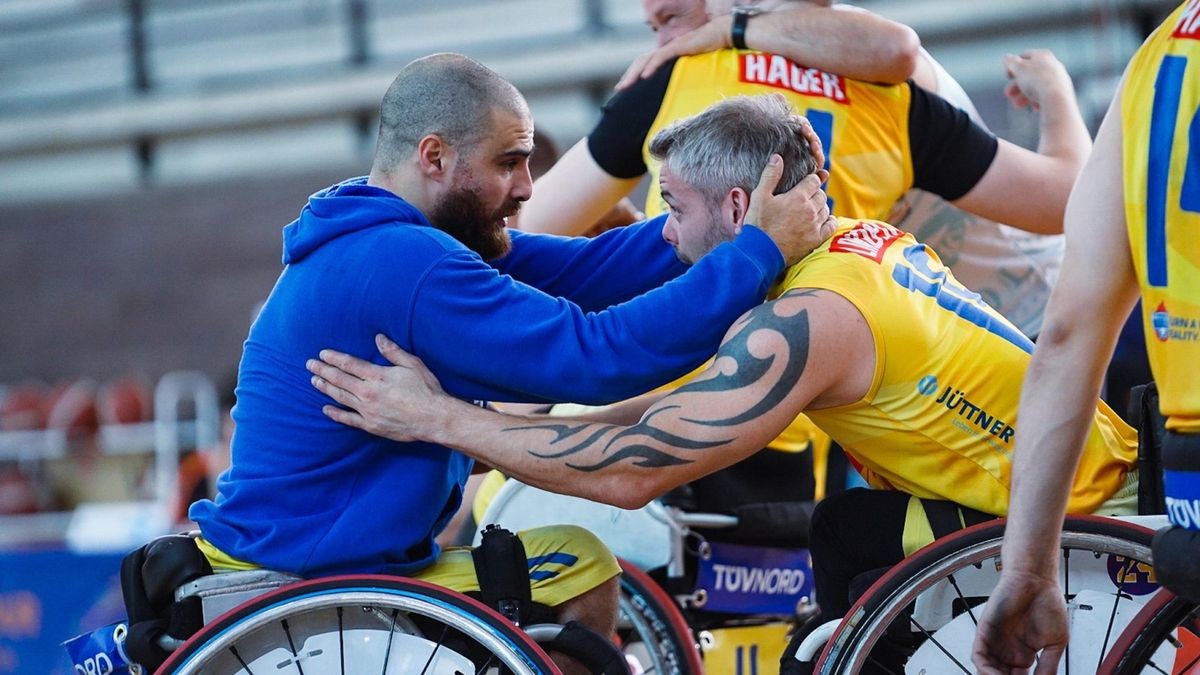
797, 220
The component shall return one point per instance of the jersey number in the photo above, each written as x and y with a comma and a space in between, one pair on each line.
922, 275
1168, 89
822, 123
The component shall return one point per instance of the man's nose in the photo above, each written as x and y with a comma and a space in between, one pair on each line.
522, 188
669, 234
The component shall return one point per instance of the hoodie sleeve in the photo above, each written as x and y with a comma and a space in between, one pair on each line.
594, 273
489, 337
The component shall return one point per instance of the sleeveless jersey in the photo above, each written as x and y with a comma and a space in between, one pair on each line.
1160, 112
873, 166
871, 163
939, 418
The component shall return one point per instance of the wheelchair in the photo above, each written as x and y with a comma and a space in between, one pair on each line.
691, 560
184, 618
921, 615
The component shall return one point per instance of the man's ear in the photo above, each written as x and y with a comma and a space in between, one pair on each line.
737, 202
434, 156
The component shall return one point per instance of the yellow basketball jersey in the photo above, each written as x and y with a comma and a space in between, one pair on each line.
870, 161
1160, 111
939, 419
871, 156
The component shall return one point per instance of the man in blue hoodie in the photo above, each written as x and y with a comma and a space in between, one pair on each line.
418, 250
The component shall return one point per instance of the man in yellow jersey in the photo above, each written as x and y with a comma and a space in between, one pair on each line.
880, 140
870, 336
1134, 215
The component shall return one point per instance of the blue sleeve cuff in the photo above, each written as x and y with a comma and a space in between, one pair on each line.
758, 246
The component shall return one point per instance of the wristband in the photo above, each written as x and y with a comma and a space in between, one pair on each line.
737, 31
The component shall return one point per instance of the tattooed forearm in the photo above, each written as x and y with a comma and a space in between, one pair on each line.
643, 455
693, 423
751, 369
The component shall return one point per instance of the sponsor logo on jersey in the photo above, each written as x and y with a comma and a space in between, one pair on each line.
777, 71
1184, 512
974, 418
1188, 27
870, 240
927, 385
1174, 327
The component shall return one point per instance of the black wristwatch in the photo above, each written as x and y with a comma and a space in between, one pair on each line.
737, 32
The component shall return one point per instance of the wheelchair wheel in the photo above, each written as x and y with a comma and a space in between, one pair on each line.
921, 615
651, 628
1163, 638
361, 624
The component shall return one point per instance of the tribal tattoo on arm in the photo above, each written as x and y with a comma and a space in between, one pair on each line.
759, 364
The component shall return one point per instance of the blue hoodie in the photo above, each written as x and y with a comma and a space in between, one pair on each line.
557, 319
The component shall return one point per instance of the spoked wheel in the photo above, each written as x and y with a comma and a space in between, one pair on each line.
652, 631
921, 615
1163, 638
361, 624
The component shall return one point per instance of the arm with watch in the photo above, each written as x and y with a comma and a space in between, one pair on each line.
848, 41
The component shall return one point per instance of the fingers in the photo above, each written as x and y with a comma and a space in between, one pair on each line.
633, 72
392, 352
332, 375
769, 179
347, 417
814, 141
655, 59
1047, 661
350, 364
335, 392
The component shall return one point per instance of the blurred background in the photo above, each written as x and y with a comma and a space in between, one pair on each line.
151, 151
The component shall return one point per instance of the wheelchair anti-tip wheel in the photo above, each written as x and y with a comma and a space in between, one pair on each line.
361, 624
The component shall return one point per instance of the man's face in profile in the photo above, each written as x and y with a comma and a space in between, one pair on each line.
488, 182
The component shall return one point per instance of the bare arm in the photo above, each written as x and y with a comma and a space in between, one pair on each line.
848, 41
1025, 189
574, 194
1093, 296
775, 361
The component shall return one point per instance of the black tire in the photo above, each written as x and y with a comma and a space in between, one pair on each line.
850, 647
356, 609
651, 626
1134, 652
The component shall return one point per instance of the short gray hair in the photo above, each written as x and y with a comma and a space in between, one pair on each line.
447, 94
727, 145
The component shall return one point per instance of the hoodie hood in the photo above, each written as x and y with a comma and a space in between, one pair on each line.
350, 206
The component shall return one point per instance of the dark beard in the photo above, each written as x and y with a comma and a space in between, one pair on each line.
461, 214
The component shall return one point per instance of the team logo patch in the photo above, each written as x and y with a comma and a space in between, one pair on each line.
1132, 576
870, 240
927, 385
778, 71
1188, 27
1161, 320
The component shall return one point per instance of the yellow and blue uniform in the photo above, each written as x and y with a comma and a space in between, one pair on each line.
879, 140
565, 561
939, 418
1160, 116
1160, 113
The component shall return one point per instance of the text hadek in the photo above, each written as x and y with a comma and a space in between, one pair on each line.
954, 399
771, 580
774, 70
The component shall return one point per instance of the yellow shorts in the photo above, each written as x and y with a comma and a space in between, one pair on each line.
565, 561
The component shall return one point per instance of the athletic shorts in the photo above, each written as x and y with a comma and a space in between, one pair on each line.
565, 561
